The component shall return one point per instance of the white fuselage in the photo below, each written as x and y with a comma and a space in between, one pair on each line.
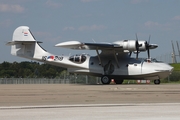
126, 67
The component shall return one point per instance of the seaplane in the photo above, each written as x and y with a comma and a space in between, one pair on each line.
113, 60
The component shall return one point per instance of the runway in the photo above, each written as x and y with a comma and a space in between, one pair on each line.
153, 111
87, 102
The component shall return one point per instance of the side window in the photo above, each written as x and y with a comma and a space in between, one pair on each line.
78, 58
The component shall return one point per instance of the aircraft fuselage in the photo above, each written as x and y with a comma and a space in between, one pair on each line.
125, 68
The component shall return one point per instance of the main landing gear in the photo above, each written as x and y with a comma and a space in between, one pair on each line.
157, 82
106, 80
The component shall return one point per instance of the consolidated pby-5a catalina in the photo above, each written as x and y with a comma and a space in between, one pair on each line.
113, 60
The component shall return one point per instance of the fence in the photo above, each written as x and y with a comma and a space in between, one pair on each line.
33, 81
80, 79
70, 79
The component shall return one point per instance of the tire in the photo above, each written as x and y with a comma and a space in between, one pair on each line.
118, 81
105, 80
157, 82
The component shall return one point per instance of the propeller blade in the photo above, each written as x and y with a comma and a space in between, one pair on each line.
137, 46
147, 46
137, 55
148, 54
137, 49
149, 39
136, 37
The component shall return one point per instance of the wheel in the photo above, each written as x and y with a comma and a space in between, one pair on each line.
118, 81
105, 79
157, 81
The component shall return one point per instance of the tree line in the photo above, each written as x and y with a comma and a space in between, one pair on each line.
29, 70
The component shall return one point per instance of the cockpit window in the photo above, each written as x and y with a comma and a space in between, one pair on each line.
151, 60
154, 60
78, 58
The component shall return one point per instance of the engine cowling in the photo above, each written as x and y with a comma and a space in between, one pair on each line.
143, 45
135, 46
130, 45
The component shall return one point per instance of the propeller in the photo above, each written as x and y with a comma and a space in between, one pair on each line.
147, 44
137, 46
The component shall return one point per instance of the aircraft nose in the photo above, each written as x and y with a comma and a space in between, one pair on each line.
165, 68
171, 69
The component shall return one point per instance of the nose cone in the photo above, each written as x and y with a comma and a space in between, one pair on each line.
170, 68
165, 67
164, 70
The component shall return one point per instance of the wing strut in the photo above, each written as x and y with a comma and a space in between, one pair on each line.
116, 59
99, 58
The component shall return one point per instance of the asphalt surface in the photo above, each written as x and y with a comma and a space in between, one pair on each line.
62, 101
60, 94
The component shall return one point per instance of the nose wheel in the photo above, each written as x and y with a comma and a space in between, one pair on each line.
157, 81
105, 79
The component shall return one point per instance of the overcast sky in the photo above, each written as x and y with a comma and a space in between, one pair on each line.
55, 21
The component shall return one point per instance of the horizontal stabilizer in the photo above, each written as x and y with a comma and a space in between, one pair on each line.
21, 42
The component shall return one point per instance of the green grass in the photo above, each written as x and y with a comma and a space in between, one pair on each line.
176, 66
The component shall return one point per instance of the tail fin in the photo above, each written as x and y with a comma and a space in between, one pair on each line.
23, 33
23, 44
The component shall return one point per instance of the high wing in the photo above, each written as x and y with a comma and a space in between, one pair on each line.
118, 46
85, 46
123, 47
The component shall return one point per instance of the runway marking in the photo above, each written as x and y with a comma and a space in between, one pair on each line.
85, 105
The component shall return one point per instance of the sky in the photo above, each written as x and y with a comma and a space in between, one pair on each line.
55, 21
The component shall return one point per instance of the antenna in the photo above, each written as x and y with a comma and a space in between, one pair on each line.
69, 54
93, 40
178, 47
173, 55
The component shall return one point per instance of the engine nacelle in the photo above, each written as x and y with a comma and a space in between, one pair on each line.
134, 45
144, 46
130, 45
